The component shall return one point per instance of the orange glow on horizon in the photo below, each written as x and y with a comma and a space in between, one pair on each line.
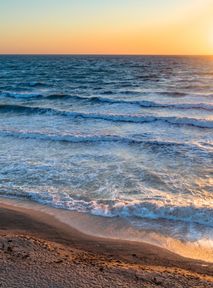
188, 29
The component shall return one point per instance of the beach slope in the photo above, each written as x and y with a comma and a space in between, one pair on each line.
36, 250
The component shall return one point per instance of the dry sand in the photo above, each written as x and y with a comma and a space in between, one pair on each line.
37, 250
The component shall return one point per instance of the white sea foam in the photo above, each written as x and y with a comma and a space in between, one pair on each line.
196, 211
126, 138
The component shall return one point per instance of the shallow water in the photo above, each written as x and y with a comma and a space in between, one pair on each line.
127, 137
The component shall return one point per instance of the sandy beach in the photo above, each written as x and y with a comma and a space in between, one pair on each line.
106, 144
36, 250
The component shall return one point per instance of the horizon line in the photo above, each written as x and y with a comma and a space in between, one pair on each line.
100, 54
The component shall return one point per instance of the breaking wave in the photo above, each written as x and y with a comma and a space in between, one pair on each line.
200, 123
98, 99
152, 209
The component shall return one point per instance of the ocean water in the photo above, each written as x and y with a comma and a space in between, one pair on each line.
121, 137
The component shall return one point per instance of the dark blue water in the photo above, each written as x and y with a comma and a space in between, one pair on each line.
126, 136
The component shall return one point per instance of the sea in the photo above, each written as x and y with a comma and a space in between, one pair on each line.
125, 138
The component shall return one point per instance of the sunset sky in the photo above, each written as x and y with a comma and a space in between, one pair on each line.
106, 26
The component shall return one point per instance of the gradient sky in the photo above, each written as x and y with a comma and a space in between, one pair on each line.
106, 26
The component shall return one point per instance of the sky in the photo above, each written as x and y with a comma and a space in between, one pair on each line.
106, 27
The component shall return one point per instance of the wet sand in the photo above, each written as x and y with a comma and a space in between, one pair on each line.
37, 250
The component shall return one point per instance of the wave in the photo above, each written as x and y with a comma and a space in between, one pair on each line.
75, 138
176, 94
104, 138
98, 99
18, 95
108, 117
141, 103
35, 84
122, 208
152, 210
23, 109
171, 94
146, 103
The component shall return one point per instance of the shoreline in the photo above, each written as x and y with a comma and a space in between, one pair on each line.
116, 229
132, 262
